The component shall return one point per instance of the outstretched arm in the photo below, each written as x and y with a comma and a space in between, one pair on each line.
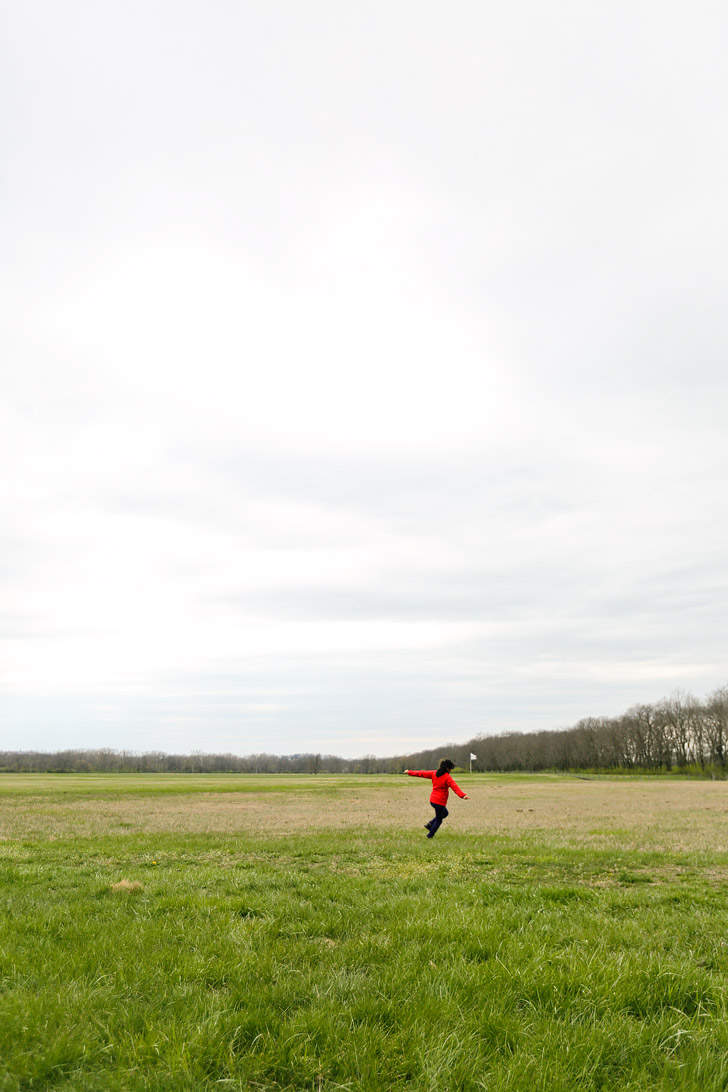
456, 789
419, 773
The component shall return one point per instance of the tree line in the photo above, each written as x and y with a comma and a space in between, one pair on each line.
105, 760
679, 734
110, 761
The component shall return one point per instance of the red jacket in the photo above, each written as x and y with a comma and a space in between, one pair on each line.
440, 785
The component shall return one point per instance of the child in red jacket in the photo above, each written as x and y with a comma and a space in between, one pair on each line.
441, 784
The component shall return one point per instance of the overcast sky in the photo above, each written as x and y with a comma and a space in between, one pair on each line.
364, 369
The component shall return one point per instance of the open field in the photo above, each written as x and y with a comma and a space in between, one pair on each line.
192, 932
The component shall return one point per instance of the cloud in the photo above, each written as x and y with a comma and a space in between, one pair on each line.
364, 369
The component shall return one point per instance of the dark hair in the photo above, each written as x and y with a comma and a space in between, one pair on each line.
445, 766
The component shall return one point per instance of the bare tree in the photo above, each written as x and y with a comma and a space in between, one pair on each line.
679, 712
716, 726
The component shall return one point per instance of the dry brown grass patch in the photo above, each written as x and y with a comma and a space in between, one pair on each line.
598, 814
130, 887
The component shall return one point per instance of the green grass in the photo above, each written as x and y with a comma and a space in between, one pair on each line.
172, 784
359, 959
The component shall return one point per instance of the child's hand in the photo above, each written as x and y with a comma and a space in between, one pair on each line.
466, 797
406, 771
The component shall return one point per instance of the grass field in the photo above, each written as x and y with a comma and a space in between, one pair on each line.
177, 933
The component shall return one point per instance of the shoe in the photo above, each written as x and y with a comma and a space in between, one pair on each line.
430, 835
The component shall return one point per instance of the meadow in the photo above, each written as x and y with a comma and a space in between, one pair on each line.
300, 933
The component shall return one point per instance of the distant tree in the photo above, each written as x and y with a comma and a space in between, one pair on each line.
716, 726
679, 713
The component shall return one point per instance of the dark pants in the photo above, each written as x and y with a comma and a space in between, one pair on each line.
441, 813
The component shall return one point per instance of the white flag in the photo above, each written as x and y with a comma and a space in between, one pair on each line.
473, 756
